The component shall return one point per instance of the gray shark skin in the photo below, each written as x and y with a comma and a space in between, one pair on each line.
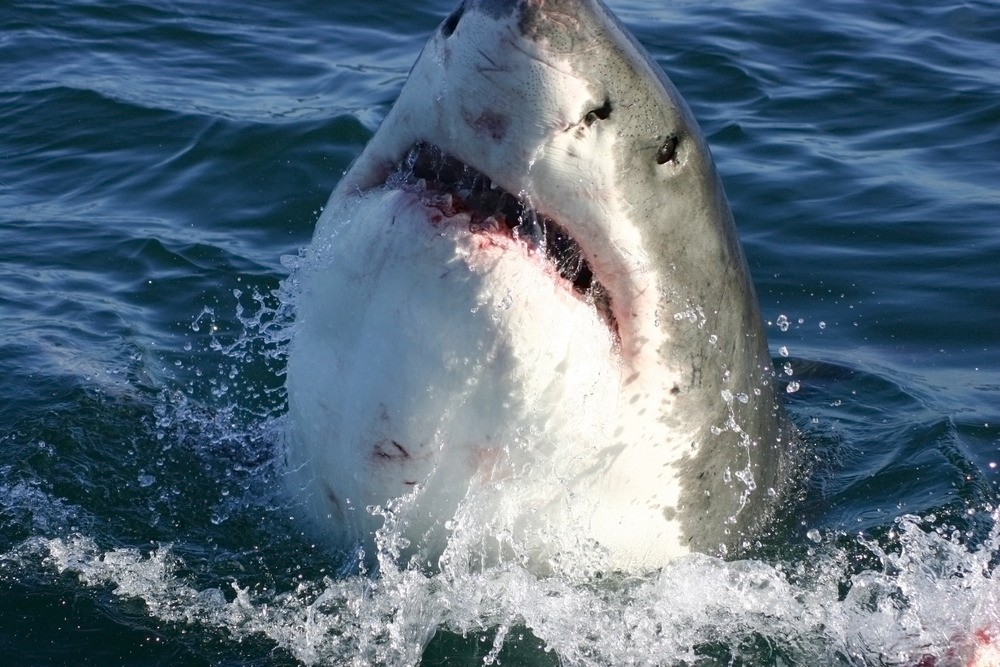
602, 387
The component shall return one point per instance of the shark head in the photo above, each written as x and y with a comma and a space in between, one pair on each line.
528, 288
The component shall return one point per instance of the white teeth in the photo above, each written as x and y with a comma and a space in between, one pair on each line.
444, 182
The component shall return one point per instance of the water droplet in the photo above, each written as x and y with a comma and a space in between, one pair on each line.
783, 351
792, 387
815, 536
507, 300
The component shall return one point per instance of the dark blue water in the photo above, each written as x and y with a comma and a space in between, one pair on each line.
158, 159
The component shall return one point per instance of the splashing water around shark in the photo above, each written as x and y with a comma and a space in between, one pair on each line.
915, 606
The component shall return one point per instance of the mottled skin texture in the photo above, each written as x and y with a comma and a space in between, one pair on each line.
691, 238
556, 100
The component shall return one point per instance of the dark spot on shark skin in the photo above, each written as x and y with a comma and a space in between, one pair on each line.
675, 390
492, 124
334, 500
497, 9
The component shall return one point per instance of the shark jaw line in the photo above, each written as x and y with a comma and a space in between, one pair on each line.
445, 183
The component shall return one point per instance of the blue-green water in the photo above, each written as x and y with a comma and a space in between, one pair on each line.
158, 159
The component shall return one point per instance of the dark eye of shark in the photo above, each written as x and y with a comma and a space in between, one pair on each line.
668, 151
450, 23
603, 112
445, 182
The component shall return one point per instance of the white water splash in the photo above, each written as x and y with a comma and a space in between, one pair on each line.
923, 606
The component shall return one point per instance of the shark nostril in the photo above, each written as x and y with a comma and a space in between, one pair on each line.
450, 23
602, 112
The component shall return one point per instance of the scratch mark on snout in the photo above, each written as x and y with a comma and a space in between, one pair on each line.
495, 68
551, 65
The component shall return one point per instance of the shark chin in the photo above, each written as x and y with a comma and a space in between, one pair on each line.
525, 329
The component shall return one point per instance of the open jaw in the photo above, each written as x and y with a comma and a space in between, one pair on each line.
447, 184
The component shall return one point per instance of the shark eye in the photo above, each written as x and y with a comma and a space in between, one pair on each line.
668, 151
450, 23
600, 113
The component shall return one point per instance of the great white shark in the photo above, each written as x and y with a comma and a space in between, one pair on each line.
525, 314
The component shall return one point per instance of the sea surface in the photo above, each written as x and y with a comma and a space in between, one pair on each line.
159, 159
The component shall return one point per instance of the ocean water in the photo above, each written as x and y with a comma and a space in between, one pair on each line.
159, 159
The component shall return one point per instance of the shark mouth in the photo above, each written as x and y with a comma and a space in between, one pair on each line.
446, 183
